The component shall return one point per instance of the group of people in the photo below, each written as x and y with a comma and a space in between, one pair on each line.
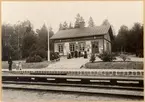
18, 65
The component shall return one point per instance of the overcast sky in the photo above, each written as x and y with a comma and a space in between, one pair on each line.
52, 13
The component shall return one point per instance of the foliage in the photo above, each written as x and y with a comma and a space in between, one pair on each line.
35, 58
124, 57
79, 19
60, 27
115, 65
54, 56
29, 41
43, 37
106, 22
65, 26
42, 53
129, 40
106, 57
21, 41
70, 26
91, 22
93, 58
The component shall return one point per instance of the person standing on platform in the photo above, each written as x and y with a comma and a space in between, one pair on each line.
20, 65
10, 62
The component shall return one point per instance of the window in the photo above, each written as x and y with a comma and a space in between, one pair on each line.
82, 46
60, 48
72, 47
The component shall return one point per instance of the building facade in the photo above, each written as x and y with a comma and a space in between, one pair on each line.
90, 39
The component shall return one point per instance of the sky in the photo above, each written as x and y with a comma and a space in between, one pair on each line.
52, 13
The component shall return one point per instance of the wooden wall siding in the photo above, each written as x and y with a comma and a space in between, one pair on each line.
78, 39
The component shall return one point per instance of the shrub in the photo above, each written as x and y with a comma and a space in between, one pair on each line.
42, 53
33, 53
31, 59
85, 54
93, 58
54, 56
38, 58
106, 57
124, 57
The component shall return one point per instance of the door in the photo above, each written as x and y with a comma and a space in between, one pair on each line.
95, 47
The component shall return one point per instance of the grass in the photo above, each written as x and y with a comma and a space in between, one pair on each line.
115, 65
26, 65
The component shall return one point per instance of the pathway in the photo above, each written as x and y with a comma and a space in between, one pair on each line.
69, 63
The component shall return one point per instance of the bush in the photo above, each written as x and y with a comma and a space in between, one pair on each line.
33, 53
107, 57
54, 56
42, 53
36, 58
124, 57
93, 58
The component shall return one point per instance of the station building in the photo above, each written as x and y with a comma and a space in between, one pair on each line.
91, 39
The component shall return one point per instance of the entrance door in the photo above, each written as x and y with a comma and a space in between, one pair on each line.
95, 47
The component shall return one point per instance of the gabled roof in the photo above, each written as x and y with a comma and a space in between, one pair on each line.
82, 32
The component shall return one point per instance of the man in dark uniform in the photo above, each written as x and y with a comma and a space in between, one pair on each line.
10, 62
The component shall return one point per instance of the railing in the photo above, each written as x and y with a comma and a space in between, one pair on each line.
106, 72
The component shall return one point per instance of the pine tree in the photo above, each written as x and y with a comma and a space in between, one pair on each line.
65, 25
106, 22
77, 22
79, 19
60, 26
70, 26
91, 22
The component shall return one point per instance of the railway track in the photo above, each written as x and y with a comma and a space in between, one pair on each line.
118, 83
76, 88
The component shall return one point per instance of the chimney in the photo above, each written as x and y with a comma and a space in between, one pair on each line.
82, 24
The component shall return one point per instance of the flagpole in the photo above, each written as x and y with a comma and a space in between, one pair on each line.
48, 52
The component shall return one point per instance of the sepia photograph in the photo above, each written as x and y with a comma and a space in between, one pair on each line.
72, 51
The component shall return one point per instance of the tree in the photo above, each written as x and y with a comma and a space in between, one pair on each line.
65, 25
106, 22
130, 40
122, 38
7, 41
22, 28
77, 22
43, 37
51, 42
70, 26
60, 27
136, 39
79, 19
91, 22
29, 40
